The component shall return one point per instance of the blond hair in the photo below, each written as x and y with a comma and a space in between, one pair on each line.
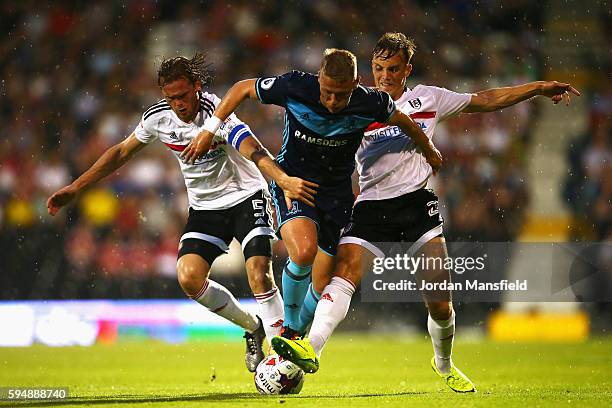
340, 65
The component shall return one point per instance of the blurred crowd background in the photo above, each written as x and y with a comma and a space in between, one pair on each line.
76, 77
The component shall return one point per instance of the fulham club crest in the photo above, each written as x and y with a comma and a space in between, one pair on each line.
415, 103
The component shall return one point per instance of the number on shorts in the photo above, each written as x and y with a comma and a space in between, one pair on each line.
258, 207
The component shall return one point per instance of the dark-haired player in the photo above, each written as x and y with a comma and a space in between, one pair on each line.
325, 118
394, 204
228, 197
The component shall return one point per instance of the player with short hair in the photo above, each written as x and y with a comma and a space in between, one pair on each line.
228, 197
325, 117
394, 204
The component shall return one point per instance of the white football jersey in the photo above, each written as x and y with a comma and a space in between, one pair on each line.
223, 177
387, 160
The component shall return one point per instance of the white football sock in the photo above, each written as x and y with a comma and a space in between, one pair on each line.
442, 334
271, 311
331, 310
219, 300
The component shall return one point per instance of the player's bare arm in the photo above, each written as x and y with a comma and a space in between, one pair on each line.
499, 98
230, 102
111, 160
294, 187
410, 128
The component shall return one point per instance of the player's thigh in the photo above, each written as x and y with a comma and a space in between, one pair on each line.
352, 262
416, 215
420, 221
253, 218
204, 238
253, 229
300, 238
322, 270
372, 223
297, 226
334, 213
207, 233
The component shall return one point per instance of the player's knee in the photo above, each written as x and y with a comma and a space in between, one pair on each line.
305, 254
440, 310
191, 274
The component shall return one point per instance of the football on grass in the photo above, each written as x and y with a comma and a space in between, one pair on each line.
277, 376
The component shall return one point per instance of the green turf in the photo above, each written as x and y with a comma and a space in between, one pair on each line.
356, 371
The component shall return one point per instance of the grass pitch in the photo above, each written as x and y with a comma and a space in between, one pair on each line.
356, 371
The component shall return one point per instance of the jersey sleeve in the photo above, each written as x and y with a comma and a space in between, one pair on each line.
273, 90
449, 103
146, 131
209, 103
385, 107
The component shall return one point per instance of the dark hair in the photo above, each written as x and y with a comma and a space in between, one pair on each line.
391, 43
340, 65
193, 69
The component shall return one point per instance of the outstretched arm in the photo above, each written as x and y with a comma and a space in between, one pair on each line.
230, 102
110, 161
499, 98
294, 187
410, 128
